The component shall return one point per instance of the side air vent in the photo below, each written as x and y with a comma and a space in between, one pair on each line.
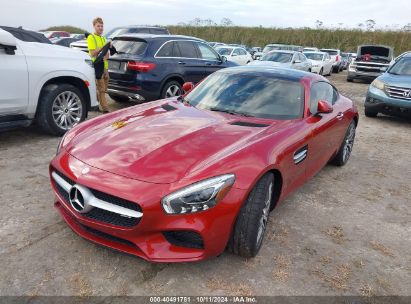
189, 239
249, 124
167, 107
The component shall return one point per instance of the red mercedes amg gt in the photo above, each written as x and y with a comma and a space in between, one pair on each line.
181, 179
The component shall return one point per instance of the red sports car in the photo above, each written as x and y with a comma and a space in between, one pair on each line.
181, 179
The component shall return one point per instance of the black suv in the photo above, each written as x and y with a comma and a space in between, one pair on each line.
150, 67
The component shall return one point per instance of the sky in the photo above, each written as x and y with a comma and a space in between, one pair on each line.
40, 14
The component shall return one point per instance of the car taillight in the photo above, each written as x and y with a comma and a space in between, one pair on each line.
140, 66
337, 58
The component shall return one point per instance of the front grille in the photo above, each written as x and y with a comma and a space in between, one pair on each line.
189, 239
397, 92
100, 214
107, 236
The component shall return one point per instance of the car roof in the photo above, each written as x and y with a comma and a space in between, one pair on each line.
330, 50
252, 70
283, 51
152, 36
26, 35
315, 52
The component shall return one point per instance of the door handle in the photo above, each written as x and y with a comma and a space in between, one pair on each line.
208, 63
340, 115
181, 62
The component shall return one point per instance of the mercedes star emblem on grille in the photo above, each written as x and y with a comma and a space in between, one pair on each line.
79, 199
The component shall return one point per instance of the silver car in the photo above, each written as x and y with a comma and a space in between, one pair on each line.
285, 59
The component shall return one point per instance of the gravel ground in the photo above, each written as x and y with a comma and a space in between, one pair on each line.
345, 232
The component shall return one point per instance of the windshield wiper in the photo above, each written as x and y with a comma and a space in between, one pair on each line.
229, 112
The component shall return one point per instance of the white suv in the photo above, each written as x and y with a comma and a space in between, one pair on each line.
49, 84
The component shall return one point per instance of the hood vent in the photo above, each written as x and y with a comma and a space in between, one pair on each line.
248, 124
167, 107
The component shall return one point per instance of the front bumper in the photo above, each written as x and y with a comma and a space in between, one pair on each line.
148, 238
379, 101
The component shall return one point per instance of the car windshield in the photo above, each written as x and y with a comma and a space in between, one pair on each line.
313, 56
132, 47
269, 97
224, 51
277, 57
401, 67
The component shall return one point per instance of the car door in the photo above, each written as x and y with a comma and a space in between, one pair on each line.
244, 57
211, 60
325, 128
189, 61
14, 77
235, 56
305, 65
328, 62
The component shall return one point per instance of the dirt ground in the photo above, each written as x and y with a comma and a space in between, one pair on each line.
346, 232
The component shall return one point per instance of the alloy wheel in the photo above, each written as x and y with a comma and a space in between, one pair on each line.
67, 110
173, 90
348, 143
264, 216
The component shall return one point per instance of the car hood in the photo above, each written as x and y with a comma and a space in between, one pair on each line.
52, 51
160, 144
402, 81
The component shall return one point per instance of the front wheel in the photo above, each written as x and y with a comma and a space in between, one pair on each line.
345, 150
249, 229
61, 107
321, 72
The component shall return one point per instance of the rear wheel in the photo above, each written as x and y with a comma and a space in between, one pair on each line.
345, 150
370, 113
61, 107
171, 89
350, 80
321, 71
249, 229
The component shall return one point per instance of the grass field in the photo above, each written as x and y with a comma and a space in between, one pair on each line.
346, 40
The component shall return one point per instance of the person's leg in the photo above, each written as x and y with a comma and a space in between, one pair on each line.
101, 94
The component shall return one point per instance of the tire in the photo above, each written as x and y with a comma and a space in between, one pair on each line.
370, 113
309, 70
350, 80
248, 233
120, 99
346, 147
321, 72
171, 85
57, 96
336, 70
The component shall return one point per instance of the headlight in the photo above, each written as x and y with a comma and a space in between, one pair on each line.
199, 196
378, 84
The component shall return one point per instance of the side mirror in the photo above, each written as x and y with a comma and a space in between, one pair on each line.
188, 86
8, 43
233, 55
223, 59
324, 107
297, 61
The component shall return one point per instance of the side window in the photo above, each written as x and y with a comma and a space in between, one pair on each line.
207, 52
236, 52
322, 91
166, 50
187, 49
242, 52
303, 58
157, 31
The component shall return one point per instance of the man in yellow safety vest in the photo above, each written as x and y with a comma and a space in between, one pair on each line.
95, 42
